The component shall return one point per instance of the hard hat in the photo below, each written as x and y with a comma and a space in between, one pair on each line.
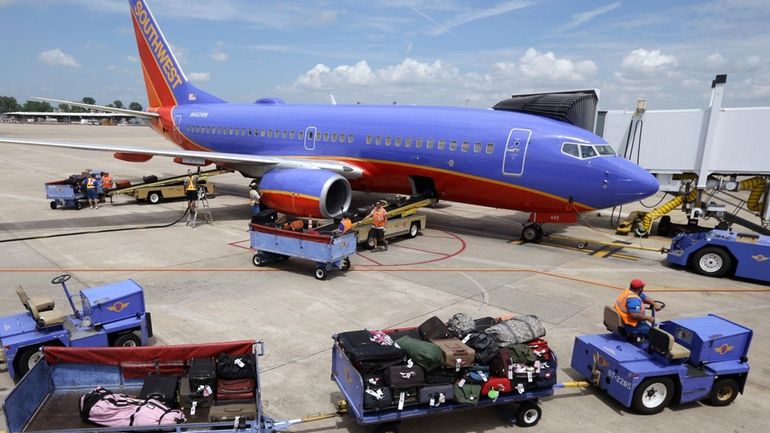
637, 284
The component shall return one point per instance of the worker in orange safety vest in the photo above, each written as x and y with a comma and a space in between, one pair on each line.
630, 305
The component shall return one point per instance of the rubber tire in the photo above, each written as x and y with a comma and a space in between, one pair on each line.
77, 205
21, 361
727, 262
345, 264
532, 233
719, 386
258, 260
664, 226
53, 204
320, 273
127, 340
414, 230
638, 405
370, 240
528, 414
154, 197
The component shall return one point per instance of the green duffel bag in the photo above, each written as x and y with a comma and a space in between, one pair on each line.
469, 393
426, 354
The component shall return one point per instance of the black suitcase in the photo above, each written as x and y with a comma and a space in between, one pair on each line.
434, 329
265, 217
367, 355
405, 397
376, 398
401, 376
435, 395
441, 376
202, 373
149, 179
484, 323
414, 333
187, 397
162, 388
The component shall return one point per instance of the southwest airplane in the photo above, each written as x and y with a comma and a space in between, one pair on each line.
309, 157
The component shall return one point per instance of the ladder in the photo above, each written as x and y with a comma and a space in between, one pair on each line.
202, 204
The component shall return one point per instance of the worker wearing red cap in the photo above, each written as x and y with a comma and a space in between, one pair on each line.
630, 306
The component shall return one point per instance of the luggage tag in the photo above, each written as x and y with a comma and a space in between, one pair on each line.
493, 394
458, 363
192, 408
510, 371
483, 376
441, 398
461, 383
520, 388
537, 366
409, 363
401, 399
239, 363
432, 401
467, 337
529, 376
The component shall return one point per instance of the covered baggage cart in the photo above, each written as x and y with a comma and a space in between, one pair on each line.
328, 251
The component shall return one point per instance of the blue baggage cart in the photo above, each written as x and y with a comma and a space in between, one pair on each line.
63, 194
328, 251
521, 409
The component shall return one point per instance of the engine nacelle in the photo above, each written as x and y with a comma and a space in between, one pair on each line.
305, 192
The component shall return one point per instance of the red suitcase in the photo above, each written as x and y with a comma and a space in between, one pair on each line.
235, 389
501, 384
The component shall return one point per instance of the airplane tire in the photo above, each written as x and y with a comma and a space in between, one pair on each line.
532, 233
712, 262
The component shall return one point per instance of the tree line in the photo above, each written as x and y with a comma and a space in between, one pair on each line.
9, 104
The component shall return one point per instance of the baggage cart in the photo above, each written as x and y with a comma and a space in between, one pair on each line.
521, 409
64, 194
328, 251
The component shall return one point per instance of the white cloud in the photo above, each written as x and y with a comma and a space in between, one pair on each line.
584, 17
219, 56
642, 63
132, 59
715, 61
548, 67
749, 64
473, 15
199, 76
57, 57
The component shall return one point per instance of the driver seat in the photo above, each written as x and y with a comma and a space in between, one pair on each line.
613, 322
47, 318
41, 303
663, 343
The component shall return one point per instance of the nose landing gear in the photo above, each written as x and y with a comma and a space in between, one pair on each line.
532, 232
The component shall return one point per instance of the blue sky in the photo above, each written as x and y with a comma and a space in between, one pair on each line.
428, 52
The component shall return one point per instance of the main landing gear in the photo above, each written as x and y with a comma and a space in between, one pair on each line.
532, 232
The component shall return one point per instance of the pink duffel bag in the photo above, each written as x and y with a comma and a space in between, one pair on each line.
108, 409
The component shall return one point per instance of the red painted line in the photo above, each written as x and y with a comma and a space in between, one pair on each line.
462, 248
368, 258
235, 244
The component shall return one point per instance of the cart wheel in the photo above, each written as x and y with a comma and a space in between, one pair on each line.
581, 245
127, 340
414, 230
77, 205
25, 359
258, 260
653, 395
154, 197
528, 414
723, 392
320, 273
53, 204
345, 264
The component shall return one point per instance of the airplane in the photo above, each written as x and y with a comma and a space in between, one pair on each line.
309, 158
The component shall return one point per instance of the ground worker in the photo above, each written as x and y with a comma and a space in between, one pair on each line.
254, 199
91, 186
379, 220
191, 189
346, 224
107, 183
630, 306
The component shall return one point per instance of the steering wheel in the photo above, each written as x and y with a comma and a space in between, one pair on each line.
661, 305
61, 279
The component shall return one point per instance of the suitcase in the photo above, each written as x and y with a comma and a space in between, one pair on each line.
414, 333
376, 398
150, 178
484, 323
434, 329
456, 354
486, 347
401, 376
187, 397
229, 412
367, 355
162, 388
202, 373
235, 389
441, 376
501, 384
265, 217
502, 365
435, 395
405, 397
236, 367
478, 374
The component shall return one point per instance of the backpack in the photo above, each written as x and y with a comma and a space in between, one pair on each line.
485, 346
236, 367
460, 325
105, 408
519, 329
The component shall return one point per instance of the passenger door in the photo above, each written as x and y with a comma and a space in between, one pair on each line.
311, 136
516, 151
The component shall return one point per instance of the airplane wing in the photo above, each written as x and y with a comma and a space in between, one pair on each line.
144, 114
193, 156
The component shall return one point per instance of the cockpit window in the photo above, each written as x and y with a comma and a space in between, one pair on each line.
587, 151
571, 149
605, 149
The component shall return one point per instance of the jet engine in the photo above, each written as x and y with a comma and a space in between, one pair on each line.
305, 192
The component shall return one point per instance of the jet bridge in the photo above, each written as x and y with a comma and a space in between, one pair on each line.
703, 157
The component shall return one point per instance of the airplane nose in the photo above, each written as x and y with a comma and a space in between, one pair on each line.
637, 184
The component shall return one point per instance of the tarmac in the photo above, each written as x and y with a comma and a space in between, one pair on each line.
201, 286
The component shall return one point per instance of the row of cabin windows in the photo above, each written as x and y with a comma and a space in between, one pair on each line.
441, 144
465, 145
